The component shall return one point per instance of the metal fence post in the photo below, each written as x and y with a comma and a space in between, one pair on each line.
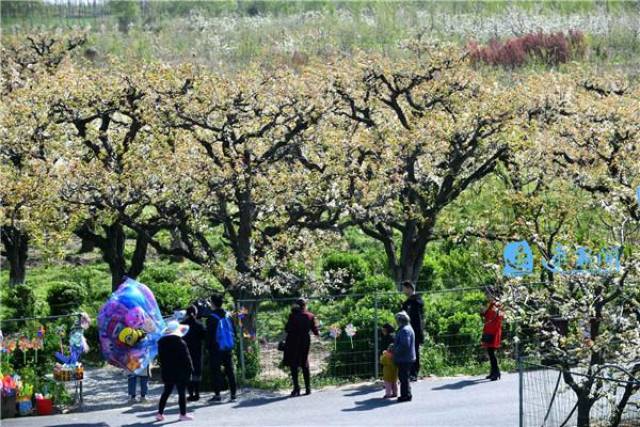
520, 392
520, 367
376, 364
242, 366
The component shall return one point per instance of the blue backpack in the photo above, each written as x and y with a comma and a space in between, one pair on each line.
224, 332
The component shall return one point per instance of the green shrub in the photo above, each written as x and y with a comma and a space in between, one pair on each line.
22, 300
453, 320
65, 297
171, 296
158, 273
353, 267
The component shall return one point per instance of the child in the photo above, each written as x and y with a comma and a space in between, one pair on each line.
144, 386
389, 373
387, 337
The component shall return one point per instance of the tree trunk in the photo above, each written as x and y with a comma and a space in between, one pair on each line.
139, 256
16, 245
113, 253
414, 246
584, 409
176, 243
87, 244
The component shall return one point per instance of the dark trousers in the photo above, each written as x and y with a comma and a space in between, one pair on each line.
404, 370
182, 398
495, 369
222, 359
415, 368
194, 388
305, 374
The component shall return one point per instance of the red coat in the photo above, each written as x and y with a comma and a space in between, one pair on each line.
492, 325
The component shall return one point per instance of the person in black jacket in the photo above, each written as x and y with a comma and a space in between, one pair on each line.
414, 306
217, 357
297, 344
194, 339
175, 367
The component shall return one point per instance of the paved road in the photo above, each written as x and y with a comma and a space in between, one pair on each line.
453, 402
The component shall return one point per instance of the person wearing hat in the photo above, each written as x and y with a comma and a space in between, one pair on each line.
298, 343
414, 307
404, 354
175, 367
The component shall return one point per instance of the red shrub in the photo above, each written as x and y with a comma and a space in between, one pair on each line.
550, 49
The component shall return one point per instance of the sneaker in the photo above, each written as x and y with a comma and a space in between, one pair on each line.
159, 417
404, 399
185, 417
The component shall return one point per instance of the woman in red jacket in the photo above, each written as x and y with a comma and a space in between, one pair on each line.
492, 335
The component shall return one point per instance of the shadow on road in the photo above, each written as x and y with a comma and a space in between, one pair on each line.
80, 425
150, 423
369, 404
459, 385
260, 401
363, 390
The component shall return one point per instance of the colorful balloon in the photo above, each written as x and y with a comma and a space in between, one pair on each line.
129, 326
135, 318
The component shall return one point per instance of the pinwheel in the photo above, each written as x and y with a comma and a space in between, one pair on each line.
335, 331
350, 330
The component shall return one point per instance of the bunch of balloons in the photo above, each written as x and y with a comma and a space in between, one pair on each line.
129, 326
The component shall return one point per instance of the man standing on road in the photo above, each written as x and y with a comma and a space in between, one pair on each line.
220, 353
414, 307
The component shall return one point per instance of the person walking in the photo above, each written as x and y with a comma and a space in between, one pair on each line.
194, 339
298, 343
404, 354
492, 336
220, 342
414, 307
175, 367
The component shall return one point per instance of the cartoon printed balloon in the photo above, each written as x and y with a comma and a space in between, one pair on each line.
129, 326
135, 318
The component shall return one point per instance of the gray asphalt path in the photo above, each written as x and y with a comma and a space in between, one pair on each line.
450, 402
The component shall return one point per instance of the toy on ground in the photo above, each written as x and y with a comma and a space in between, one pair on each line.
129, 326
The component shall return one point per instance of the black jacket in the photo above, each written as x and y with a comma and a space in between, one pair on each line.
175, 361
414, 306
194, 339
212, 327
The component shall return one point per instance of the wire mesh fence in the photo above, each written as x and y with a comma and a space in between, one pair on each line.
351, 337
548, 400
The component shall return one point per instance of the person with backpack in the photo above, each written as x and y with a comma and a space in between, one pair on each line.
194, 339
298, 343
220, 342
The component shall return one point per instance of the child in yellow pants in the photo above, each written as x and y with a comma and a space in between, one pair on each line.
389, 374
